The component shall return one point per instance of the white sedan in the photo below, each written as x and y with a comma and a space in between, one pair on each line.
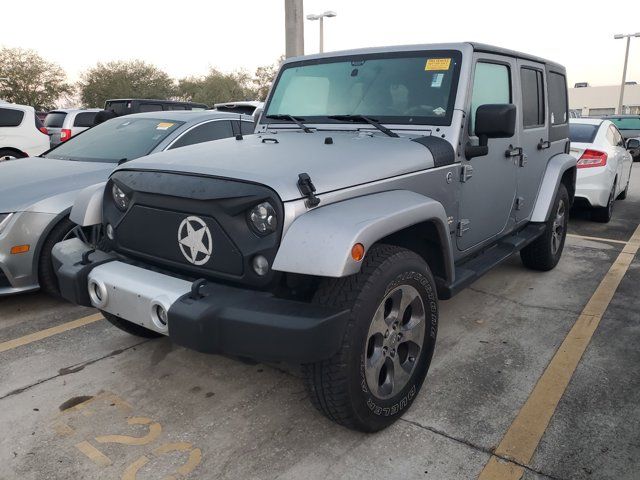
604, 165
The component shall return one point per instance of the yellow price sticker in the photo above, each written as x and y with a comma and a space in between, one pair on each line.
437, 64
164, 126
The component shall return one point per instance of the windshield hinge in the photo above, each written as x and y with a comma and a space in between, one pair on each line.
466, 172
463, 227
306, 187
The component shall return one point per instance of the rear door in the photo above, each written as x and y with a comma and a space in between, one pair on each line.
54, 122
488, 191
534, 136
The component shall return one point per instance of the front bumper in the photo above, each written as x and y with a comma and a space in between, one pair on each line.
216, 319
19, 272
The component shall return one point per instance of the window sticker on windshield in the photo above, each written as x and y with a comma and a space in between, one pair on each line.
437, 64
164, 126
436, 81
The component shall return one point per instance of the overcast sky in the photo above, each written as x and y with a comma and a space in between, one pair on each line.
186, 37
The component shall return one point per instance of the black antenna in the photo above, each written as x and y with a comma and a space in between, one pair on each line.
239, 135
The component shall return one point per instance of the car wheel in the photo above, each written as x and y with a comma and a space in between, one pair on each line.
544, 253
6, 154
129, 327
604, 214
46, 275
625, 192
388, 344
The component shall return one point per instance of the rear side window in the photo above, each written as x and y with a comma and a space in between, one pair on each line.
150, 107
491, 84
558, 109
10, 117
54, 119
582, 132
85, 119
119, 108
532, 97
205, 133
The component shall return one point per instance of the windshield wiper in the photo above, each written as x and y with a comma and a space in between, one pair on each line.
291, 118
362, 118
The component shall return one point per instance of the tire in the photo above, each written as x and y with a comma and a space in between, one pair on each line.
625, 192
347, 388
604, 214
46, 276
544, 253
130, 328
6, 154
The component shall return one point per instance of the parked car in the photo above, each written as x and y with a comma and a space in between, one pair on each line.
244, 107
629, 126
604, 165
22, 134
378, 181
127, 106
65, 123
36, 194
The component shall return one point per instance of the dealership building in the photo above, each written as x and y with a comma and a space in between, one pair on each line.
595, 101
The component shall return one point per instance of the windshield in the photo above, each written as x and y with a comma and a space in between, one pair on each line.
630, 123
582, 132
398, 88
116, 140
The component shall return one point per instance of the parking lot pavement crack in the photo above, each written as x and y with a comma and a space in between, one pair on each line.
71, 369
522, 304
479, 448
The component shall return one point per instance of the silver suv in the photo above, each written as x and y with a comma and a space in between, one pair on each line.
65, 123
378, 182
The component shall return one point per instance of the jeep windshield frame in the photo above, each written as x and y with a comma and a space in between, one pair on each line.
393, 88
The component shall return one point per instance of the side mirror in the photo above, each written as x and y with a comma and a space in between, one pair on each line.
633, 144
257, 113
492, 121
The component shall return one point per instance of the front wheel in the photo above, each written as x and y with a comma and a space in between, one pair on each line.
544, 253
388, 344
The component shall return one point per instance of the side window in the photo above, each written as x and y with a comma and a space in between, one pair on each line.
491, 84
150, 107
119, 108
85, 119
176, 107
247, 128
558, 99
205, 133
619, 139
532, 97
611, 136
10, 117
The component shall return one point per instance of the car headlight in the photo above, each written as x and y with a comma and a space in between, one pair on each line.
5, 218
120, 198
262, 218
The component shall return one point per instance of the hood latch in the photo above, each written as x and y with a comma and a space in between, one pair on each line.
307, 188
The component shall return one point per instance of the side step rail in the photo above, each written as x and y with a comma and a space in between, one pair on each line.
470, 270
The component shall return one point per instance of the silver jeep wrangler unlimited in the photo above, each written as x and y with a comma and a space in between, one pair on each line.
378, 181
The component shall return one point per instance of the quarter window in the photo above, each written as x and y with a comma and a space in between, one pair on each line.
558, 99
532, 97
85, 119
491, 84
205, 133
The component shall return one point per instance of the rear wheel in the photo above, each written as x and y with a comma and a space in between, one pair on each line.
388, 344
604, 214
625, 192
130, 328
6, 154
544, 253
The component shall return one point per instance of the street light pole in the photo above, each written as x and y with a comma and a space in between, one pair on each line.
321, 17
624, 69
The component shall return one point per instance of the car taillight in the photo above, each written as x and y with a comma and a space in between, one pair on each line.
65, 134
592, 158
44, 130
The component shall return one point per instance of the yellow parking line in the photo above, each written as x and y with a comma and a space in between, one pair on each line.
524, 434
95, 455
596, 239
34, 337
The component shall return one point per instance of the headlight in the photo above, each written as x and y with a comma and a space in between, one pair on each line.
262, 218
5, 218
120, 198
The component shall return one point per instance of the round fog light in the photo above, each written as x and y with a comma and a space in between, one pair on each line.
260, 265
110, 233
161, 313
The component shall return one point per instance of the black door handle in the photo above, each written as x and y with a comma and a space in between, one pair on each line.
543, 144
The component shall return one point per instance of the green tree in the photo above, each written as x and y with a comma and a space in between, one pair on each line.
29, 79
264, 77
217, 87
120, 79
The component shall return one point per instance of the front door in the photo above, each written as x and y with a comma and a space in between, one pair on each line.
534, 135
488, 191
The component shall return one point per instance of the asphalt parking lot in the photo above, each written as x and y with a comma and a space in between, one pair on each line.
81, 399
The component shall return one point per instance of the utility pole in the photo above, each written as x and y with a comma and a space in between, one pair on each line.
294, 28
624, 69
